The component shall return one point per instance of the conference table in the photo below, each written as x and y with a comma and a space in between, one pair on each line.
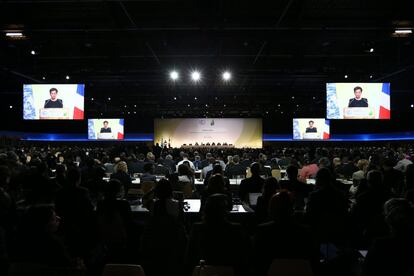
193, 206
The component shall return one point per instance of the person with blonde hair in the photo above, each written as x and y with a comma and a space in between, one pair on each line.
121, 173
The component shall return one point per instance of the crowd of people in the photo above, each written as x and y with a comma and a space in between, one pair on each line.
59, 209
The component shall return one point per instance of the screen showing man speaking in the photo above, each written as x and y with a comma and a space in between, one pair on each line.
311, 129
53, 101
358, 101
106, 129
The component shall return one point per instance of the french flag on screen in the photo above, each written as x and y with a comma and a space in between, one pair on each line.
79, 102
326, 130
121, 129
384, 102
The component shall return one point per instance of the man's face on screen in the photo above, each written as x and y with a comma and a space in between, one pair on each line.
105, 125
53, 95
358, 94
310, 124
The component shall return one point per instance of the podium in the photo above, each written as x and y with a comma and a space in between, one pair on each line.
106, 136
53, 113
359, 113
312, 135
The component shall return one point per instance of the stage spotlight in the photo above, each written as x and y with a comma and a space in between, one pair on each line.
33, 52
371, 50
412, 106
174, 75
346, 76
403, 31
175, 98
12, 106
109, 98
195, 76
226, 76
14, 34
43, 78
92, 99
371, 76
67, 77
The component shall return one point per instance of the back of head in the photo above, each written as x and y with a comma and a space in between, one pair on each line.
375, 181
183, 169
148, 168
292, 172
236, 159
216, 184
163, 190
270, 187
121, 166
324, 162
399, 215
323, 178
217, 169
113, 189
73, 176
281, 206
215, 209
255, 169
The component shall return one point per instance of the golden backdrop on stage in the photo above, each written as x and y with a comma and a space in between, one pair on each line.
233, 132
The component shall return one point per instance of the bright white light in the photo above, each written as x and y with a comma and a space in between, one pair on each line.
403, 31
44, 78
195, 76
109, 98
67, 77
174, 75
371, 76
346, 76
175, 98
412, 106
226, 76
14, 34
92, 99
33, 52
12, 107
371, 50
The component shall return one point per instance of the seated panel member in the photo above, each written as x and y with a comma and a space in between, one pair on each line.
53, 102
358, 101
106, 129
311, 128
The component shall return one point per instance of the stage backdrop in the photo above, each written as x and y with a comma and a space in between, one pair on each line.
35, 97
241, 133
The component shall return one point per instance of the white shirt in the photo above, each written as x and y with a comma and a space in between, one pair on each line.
182, 161
402, 165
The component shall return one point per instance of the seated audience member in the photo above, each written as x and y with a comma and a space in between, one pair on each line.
121, 173
217, 169
37, 241
358, 176
185, 174
262, 207
185, 159
367, 214
216, 185
164, 238
164, 203
409, 177
208, 167
74, 206
253, 184
114, 220
393, 179
236, 169
246, 162
282, 237
160, 168
148, 174
347, 168
300, 191
169, 162
7, 204
403, 162
205, 162
136, 165
327, 209
393, 255
216, 240
197, 163
308, 170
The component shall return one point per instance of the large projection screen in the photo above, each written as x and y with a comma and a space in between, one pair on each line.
53, 101
311, 129
237, 132
358, 101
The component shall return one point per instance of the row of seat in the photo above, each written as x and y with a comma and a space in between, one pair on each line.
279, 267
